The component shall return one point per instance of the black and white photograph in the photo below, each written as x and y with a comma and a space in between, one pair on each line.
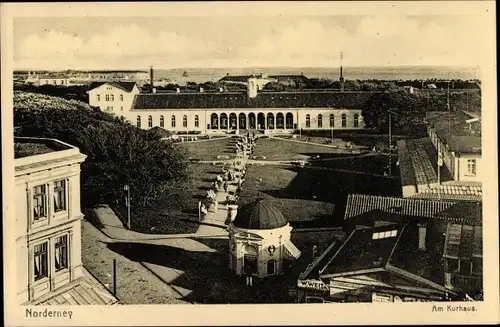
187, 155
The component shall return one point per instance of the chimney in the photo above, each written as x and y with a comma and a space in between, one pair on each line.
151, 76
422, 235
178, 90
341, 80
252, 87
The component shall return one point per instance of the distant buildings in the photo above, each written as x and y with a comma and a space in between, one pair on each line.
68, 78
48, 222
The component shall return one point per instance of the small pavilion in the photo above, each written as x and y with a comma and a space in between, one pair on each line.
259, 240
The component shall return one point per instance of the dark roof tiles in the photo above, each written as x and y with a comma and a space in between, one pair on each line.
260, 214
340, 100
125, 86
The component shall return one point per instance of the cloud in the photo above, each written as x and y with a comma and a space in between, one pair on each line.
376, 40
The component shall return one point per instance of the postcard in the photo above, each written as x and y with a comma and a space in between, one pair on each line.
249, 163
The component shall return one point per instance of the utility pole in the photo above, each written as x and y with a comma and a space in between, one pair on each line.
127, 188
390, 143
448, 107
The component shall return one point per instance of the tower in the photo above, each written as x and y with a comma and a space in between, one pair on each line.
151, 76
341, 79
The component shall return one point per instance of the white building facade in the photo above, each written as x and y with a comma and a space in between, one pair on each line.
113, 97
48, 219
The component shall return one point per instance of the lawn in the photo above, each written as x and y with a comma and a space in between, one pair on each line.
209, 150
135, 284
178, 212
305, 194
371, 163
274, 149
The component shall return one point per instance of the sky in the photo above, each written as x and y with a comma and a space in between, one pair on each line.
267, 41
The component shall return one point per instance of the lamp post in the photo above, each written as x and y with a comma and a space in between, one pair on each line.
127, 188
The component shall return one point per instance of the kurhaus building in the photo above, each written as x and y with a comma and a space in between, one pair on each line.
222, 112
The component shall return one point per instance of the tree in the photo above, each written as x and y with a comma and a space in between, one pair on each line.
118, 153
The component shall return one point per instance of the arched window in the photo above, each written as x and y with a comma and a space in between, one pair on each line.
162, 121
320, 120
308, 121
356, 120
196, 121
332, 120
184, 121
271, 267
150, 121
173, 121
139, 121
344, 120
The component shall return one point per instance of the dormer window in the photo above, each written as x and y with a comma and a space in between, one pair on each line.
386, 234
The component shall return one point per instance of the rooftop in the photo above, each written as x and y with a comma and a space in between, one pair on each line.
26, 147
358, 204
123, 85
454, 191
459, 130
416, 162
260, 214
203, 100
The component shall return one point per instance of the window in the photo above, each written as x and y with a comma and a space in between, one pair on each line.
184, 121
107, 97
465, 267
344, 120
121, 108
271, 267
196, 121
59, 196
332, 120
471, 167
121, 97
61, 252
54, 82
356, 120
308, 121
150, 121
112, 97
39, 202
62, 82
173, 121
380, 235
98, 97
46, 81
40, 261
139, 121
320, 121
162, 121
452, 265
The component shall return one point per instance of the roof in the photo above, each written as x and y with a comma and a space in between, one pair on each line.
203, 100
398, 254
358, 204
454, 131
80, 292
123, 85
453, 190
465, 212
416, 162
259, 214
26, 147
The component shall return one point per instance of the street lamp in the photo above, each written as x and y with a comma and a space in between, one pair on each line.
127, 188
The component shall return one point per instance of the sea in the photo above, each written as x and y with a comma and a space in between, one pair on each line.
200, 75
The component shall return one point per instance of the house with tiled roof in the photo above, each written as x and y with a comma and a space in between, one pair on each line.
400, 251
48, 221
447, 162
114, 97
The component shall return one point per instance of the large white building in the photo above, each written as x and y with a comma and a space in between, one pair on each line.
113, 97
48, 221
223, 112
